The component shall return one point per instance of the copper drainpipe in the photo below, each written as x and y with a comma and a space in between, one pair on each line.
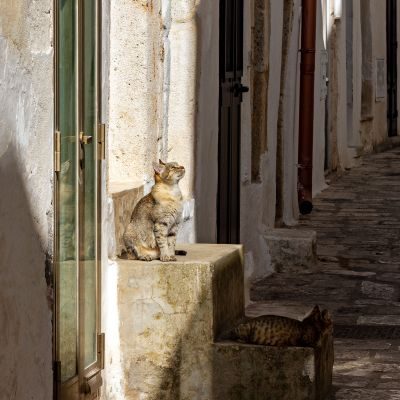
306, 109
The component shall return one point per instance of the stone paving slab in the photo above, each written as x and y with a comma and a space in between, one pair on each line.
357, 220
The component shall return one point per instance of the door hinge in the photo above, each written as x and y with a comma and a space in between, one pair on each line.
92, 385
101, 141
57, 151
101, 346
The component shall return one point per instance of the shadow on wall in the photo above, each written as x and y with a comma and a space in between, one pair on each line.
25, 314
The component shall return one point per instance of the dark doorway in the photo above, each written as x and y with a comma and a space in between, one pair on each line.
391, 41
230, 97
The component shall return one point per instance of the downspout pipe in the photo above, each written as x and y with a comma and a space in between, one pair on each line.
306, 108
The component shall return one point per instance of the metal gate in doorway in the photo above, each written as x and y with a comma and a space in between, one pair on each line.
230, 98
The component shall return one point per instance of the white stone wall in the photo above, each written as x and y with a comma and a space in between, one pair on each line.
258, 198
378, 22
291, 120
135, 90
349, 134
320, 91
338, 128
160, 99
26, 211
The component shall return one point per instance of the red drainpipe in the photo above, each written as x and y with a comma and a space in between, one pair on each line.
306, 109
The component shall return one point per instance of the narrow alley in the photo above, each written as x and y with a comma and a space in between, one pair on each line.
236, 115
357, 220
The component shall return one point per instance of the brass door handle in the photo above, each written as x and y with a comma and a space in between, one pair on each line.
84, 139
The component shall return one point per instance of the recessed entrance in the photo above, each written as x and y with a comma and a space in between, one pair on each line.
231, 89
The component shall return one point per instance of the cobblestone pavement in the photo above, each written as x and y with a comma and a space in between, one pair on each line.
357, 220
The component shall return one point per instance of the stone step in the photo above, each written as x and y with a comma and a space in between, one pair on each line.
170, 314
249, 372
292, 250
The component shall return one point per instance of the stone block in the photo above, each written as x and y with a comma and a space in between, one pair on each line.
170, 314
292, 250
250, 372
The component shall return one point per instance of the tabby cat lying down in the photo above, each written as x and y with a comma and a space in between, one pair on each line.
273, 330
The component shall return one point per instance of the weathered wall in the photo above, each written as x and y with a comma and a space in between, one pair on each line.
290, 120
26, 126
359, 125
272, 198
340, 155
258, 195
320, 90
153, 90
378, 25
353, 126
135, 90
157, 103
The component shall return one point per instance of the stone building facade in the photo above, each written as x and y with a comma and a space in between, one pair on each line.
160, 88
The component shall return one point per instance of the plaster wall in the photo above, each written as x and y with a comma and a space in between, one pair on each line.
290, 123
182, 61
135, 90
26, 212
340, 155
157, 104
378, 25
320, 88
258, 198
155, 83
351, 131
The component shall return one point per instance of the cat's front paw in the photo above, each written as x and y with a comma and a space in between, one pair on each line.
145, 258
167, 258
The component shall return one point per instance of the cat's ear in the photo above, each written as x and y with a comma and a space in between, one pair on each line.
158, 168
315, 312
161, 162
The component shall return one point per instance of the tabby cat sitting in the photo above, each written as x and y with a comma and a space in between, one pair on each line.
151, 233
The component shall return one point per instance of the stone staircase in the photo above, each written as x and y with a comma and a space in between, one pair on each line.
171, 315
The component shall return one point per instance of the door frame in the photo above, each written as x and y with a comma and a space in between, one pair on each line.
73, 388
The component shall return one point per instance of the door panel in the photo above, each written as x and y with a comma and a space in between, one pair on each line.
89, 184
231, 89
76, 199
67, 194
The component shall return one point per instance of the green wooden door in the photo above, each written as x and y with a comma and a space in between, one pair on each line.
77, 341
